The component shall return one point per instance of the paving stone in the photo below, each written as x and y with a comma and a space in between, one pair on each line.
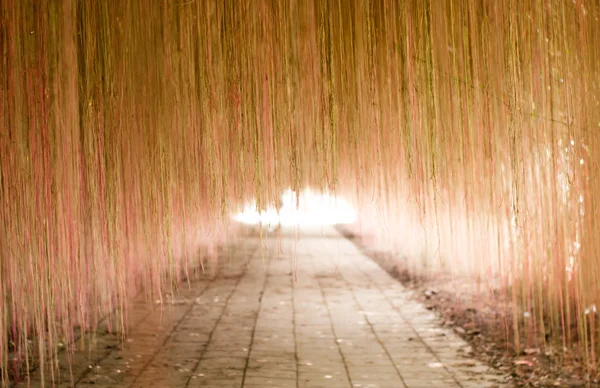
339, 321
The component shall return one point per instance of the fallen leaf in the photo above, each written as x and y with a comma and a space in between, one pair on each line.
523, 362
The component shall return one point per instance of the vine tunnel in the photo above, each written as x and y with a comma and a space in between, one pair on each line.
462, 134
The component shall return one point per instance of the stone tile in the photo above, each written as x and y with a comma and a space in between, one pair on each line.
339, 321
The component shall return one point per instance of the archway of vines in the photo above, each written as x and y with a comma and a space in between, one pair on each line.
465, 133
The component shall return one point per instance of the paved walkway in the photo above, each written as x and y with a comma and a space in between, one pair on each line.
344, 323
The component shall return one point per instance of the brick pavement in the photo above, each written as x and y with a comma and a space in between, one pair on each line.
344, 323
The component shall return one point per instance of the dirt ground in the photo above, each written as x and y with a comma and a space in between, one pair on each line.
484, 323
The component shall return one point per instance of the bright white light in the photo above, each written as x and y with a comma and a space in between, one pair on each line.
309, 209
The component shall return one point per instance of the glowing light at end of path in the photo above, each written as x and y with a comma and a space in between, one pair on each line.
309, 209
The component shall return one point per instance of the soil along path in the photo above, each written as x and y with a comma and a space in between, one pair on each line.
345, 322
